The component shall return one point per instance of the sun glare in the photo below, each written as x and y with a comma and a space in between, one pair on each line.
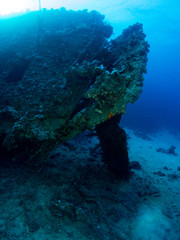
14, 6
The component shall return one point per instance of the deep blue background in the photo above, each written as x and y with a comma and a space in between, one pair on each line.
159, 105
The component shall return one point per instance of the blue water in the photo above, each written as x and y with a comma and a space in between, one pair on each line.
159, 105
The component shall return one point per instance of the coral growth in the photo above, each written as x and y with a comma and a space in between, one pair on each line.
74, 78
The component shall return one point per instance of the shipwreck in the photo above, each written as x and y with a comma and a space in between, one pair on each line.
60, 74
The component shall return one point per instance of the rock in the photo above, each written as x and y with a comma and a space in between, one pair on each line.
170, 150
33, 226
165, 168
2, 228
69, 78
159, 173
135, 165
32, 223
174, 176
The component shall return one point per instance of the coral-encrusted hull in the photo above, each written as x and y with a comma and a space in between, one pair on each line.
64, 77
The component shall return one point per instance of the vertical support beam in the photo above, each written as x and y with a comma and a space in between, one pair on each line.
114, 145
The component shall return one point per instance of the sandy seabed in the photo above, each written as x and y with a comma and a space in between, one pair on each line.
75, 197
